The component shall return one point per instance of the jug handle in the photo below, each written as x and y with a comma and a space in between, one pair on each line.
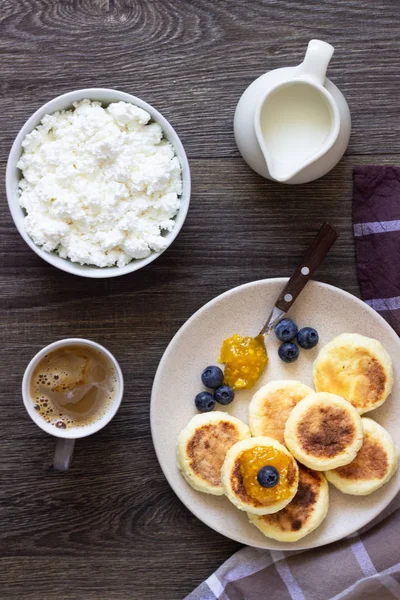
316, 61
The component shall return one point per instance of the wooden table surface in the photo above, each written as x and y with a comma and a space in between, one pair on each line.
111, 528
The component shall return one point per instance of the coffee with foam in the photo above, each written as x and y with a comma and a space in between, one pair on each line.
73, 386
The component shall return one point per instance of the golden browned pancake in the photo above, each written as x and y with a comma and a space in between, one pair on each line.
356, 367
303, 514
232, 479
324, 431
202, 447
373, 466
272, 404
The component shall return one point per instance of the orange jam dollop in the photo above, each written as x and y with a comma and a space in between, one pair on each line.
251, 462
245, 359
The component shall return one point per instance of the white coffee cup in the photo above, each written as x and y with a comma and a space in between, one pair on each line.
65, 444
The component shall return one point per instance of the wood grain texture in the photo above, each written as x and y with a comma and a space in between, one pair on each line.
111, 528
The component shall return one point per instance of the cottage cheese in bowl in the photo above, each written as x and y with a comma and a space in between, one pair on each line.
73, 198
100, 185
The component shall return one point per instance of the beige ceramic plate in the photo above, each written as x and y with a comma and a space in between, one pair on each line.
244, 310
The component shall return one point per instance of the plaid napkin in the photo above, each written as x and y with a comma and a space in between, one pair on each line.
365, 566
376, 221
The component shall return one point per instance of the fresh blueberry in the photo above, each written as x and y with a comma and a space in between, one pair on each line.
212, 377
286, 330
204, 402
288, 352
268, 476
307, 338
224, 394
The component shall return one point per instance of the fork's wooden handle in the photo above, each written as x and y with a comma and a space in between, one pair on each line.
315, 254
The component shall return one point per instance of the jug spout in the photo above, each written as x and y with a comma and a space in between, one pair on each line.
281, 172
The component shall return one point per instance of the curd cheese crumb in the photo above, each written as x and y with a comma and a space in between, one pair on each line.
99, 185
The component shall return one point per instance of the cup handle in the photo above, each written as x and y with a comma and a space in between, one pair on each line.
63, 454
316, 61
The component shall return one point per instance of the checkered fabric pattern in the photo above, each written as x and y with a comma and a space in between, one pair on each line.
365, 566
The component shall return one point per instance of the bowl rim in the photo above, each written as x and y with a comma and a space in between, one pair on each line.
109, 95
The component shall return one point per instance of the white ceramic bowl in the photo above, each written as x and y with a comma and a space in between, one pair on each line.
13, 176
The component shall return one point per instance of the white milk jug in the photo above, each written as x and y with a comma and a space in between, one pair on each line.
292, 124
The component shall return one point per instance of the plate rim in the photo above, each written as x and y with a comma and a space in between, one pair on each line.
293, 546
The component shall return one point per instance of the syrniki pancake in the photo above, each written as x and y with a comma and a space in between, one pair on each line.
272, 404
373, 466
202, 447
237, 482
324, 431
303, 514
356, 367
